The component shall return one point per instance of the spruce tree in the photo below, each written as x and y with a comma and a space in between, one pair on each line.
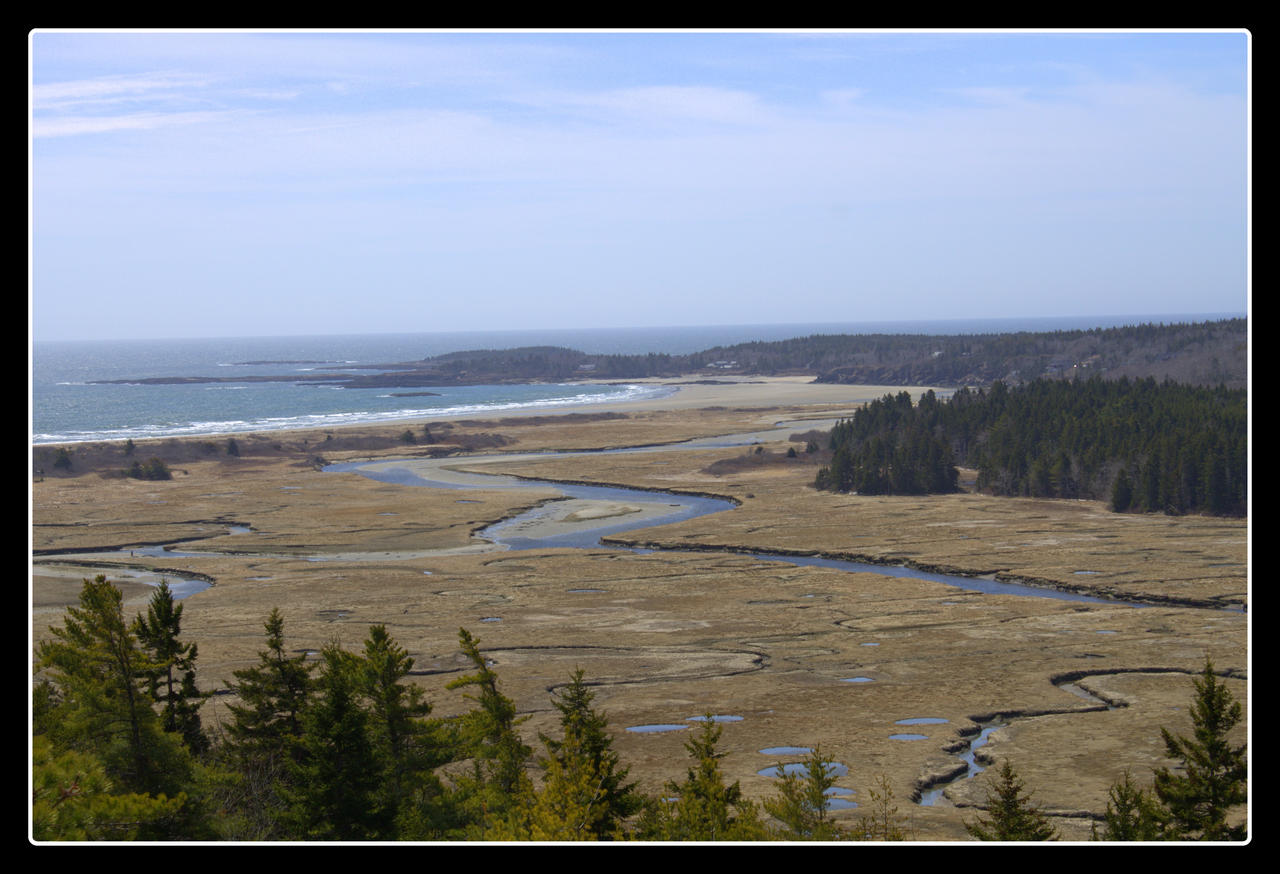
586, 735
1013, 816
335, 774
265, 729
704, 809
488, 736
406, 745
272, 696
801, 802
1213, 777
1133, 814
172, 681
102, 705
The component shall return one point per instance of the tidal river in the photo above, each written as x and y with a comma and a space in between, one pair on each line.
592, 512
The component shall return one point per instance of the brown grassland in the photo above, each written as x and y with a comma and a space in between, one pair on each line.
700, 627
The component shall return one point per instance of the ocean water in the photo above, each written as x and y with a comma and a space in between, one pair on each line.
67, 407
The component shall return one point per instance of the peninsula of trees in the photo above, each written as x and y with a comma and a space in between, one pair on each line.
1205, 353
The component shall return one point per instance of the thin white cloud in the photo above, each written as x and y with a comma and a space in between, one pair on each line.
60, 95
79, 125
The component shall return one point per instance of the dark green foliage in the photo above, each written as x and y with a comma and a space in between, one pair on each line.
407, 746
1213, 777
155, 469
172, 682
1121, 492
128, 447
890, 447
273, 695
408, 437
62, 459
101, 705
586, 735
1133, 814
335, 775
233, 448
1143, 446
264, 733
1012, 815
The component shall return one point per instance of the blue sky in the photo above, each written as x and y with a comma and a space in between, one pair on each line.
235, 184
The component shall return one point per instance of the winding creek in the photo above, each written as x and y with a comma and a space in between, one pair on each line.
568, 523
586, 513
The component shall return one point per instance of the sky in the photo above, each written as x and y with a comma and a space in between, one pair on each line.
206, 184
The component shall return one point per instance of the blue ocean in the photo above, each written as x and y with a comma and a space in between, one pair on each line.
67, 406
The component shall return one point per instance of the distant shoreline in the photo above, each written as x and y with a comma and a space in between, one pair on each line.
690, 392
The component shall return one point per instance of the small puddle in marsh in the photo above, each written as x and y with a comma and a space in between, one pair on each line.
657, 728
800, 769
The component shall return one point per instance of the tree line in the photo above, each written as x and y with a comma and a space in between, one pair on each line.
346, 749
1206, 353
1141, 445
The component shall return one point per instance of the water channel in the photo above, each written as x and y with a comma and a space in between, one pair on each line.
660, 508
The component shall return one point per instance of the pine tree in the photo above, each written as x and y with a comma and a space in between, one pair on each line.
1213, 777
1013, 816
72, 799
173, 680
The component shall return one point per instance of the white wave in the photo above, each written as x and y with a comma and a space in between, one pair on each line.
620, 393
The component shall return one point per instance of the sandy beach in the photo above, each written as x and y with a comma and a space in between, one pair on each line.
696, 626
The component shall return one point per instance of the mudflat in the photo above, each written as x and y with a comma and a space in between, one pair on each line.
806, 656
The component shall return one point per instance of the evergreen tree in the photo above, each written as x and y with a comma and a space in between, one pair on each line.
406, 745
586, 736
801, 803
102, 704
72, 799
172, 682
488, 736
1013, 816
1213, 777
1133, 814
265, 729
335, 774
272, 696
1121, 492
704, 809
570, 806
